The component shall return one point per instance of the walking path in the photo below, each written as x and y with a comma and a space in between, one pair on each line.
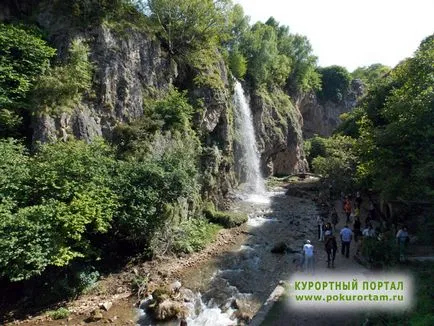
282, 314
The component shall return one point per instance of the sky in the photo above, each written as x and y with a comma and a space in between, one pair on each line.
352, 33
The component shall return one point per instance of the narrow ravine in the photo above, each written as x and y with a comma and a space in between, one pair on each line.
231, 288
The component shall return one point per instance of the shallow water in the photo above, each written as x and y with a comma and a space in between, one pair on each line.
249, 272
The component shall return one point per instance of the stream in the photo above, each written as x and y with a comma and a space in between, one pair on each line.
237, 283
230, 289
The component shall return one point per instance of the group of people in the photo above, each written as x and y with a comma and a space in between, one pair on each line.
346, 234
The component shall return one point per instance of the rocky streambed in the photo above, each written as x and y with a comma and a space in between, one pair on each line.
229, 288
226, 283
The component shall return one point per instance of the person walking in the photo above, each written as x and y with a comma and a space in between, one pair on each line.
347, 209
358, 200
320, 222
356, 228
331, 247
402, 239
309, 263
346, 237
334, 218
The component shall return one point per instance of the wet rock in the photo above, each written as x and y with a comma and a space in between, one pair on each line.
187, 295
235, 304
279, 248
169, 309
175, 286
242, 317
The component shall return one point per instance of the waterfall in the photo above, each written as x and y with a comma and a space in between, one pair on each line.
250, 163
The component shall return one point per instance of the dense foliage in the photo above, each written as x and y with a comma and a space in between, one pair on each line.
371, 74
67, 202
23, 57
277, 58
335, 82
53, 204
62, 86
395, 125
335, 159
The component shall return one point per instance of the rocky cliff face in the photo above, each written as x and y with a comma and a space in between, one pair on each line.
125, 67
128, 65
278, 127
323, 118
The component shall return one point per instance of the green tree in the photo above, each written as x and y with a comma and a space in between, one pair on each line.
151, 182
237, 64
396, 129
304, 75
335, 81
68, 200
186, 25
24, 56
371, 74
337, 161
265, 65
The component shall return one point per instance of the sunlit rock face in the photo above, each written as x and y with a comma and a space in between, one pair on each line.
323, 118
279, 133
125, 67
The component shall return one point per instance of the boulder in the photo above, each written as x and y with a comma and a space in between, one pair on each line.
106, 305
279, 248
187, 295
169, 309
96, 315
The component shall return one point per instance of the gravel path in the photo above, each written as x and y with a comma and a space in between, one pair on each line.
282, 314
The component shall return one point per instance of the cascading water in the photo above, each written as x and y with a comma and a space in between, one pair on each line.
233, 278
250, 162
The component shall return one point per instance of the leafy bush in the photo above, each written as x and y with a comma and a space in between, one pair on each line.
62, 87
60, 313
193, 235
371, 74
67, 202
24, 56
335, 81
421, 313
164, 172
382, 252
336, 161
237, 64
87, 279
14, 171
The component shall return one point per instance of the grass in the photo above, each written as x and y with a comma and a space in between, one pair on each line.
60, 313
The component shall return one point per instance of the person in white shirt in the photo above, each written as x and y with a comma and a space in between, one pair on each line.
368, 231
309, 263
346, 237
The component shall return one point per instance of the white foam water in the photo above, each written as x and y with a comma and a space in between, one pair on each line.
249, 150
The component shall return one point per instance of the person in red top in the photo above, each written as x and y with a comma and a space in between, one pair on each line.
347, 208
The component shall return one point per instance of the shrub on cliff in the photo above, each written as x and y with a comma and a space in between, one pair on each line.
335, 81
